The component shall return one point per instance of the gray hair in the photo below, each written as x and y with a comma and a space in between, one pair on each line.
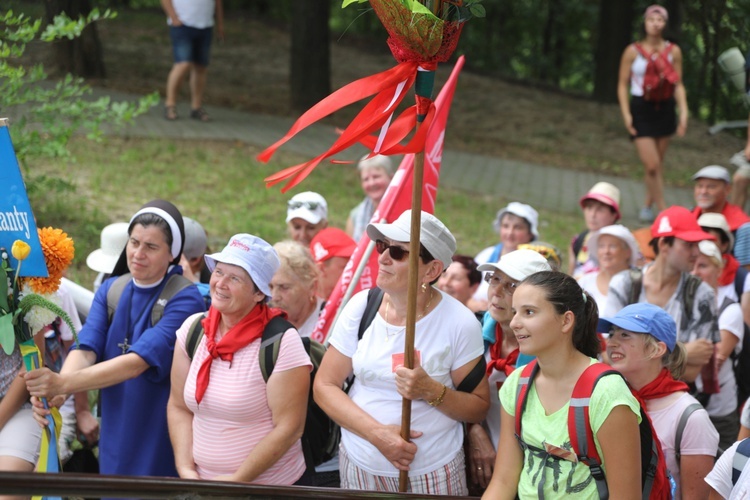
377, 161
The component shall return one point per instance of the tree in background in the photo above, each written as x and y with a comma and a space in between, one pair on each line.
80, 55
44, 114
310, 75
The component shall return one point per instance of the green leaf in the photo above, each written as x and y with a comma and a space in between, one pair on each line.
346, 3
7, 337
477, 10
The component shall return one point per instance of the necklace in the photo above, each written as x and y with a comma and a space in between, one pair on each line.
388, 333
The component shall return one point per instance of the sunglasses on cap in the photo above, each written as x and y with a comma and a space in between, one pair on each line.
397, 253
494, 281
310, 205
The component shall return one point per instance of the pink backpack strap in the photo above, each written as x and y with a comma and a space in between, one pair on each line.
522, 392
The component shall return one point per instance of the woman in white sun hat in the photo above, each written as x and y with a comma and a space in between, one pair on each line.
614, 250
225, 421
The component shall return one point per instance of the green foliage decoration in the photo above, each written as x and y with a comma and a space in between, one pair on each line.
46, 114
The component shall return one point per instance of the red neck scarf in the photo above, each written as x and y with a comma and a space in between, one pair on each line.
497, 362
249, 328
663, 385
730, 269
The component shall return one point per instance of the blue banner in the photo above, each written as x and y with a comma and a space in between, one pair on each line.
16, 219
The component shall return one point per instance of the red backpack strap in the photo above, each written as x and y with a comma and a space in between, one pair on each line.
641, 50
522, 392
579, 425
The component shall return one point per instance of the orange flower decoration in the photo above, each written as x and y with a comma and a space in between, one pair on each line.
58, 251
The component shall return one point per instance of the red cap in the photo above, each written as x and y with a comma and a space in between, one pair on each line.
331, 242
679, 222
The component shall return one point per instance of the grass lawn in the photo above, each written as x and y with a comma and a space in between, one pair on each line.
221, 185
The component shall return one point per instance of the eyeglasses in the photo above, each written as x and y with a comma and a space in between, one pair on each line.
397, 253
508, 286
310, 205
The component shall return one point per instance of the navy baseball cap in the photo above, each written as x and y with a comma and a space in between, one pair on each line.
644, 318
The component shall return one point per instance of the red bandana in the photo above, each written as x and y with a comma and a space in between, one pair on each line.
730, 269
240, 335
497, 362
663, 385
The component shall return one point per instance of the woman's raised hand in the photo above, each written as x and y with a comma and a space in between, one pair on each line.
399, 452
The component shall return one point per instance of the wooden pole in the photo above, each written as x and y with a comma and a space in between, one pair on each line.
411, 298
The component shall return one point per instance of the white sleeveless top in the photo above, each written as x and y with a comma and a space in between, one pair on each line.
638, 70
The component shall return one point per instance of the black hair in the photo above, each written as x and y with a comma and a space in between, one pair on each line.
149, 219
723, 237
470, 265
654, 243
425, 254
565, 294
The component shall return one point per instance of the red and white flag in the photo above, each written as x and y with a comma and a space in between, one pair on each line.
396, 200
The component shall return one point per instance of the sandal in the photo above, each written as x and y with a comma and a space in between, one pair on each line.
170, 113
199, 114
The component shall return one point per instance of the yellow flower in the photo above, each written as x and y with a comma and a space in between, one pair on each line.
20, 250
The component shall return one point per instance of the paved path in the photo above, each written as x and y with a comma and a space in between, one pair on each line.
541, 186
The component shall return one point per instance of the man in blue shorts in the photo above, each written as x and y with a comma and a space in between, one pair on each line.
191, 25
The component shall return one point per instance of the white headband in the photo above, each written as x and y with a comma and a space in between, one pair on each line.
173, 227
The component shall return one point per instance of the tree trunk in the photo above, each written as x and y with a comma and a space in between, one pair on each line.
310, 73
81, 56
615, 32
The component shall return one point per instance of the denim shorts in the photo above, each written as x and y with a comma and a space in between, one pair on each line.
191, 44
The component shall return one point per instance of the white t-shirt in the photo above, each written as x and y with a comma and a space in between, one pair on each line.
698, 438
446, 339
729, 291
309, 325
195, 13
588, 282
725, 401
720, 477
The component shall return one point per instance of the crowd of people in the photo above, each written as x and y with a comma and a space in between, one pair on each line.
517, 350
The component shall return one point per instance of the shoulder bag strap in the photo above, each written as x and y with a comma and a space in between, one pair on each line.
174, 285
681, 428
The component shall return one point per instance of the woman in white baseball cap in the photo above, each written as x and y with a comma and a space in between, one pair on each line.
306, 214
225, 421
501, 354
448, 346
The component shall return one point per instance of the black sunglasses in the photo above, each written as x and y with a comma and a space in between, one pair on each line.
397, 253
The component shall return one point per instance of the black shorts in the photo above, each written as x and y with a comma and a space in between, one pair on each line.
653, 119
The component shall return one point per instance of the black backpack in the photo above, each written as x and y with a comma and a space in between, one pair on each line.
320, 439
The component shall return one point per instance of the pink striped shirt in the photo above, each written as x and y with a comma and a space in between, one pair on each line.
234, 414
